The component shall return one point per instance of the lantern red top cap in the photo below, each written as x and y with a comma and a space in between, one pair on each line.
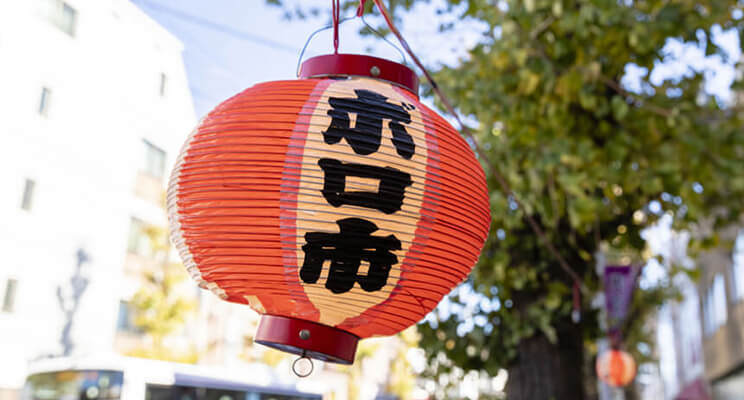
360, 65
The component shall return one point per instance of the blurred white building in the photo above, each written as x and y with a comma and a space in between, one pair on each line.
94, 104
679, 338
680, 345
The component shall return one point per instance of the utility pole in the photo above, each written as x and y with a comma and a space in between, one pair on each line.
70, 302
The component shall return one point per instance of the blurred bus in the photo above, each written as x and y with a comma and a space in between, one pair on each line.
124, 378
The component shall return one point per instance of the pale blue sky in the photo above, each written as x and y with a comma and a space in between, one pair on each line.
262, 46
220, 64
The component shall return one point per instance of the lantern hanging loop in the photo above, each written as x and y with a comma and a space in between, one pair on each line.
341, 21
381, 36
310, 38
297, 370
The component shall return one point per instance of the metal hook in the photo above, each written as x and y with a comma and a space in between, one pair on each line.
303, 357
402, 54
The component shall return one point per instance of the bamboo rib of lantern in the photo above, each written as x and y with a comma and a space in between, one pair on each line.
222, 131
292, 247
237, 187
213, 275
352, 303
206, 273
341, 303
359, 304
437, 188
349, 213
188, 177
198, 148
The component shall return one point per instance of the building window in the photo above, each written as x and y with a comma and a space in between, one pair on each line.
139, 241
163, 82
63, 16
28, 194
154, 160
715, 312
9, 295
125, 320
737, 268
44, 100
719, 300
708, 325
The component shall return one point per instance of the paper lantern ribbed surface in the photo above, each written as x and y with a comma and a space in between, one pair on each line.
344, 203
616, 368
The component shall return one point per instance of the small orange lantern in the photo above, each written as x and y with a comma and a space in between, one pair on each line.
336, 205
616, 368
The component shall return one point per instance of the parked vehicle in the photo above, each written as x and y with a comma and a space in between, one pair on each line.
124, 378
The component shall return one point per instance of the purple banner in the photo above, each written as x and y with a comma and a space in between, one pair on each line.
619, 281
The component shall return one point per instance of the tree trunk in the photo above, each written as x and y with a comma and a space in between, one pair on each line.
631, 392
545, 371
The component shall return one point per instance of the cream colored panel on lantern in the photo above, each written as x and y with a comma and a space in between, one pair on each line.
315, 214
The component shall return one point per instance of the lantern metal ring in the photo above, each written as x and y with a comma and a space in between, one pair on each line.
295, 368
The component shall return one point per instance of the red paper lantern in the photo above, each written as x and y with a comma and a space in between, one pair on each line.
336, 205
616, 368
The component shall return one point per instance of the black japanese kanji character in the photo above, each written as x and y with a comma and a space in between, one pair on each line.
346, 250
389, 195
371, 109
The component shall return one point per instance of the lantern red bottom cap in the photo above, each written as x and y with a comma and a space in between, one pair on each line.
306, 338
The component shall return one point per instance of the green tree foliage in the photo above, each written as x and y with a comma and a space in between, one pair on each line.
159, 308
586, 156
591, 159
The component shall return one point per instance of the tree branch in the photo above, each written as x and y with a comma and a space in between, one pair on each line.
542, 27
619, 89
